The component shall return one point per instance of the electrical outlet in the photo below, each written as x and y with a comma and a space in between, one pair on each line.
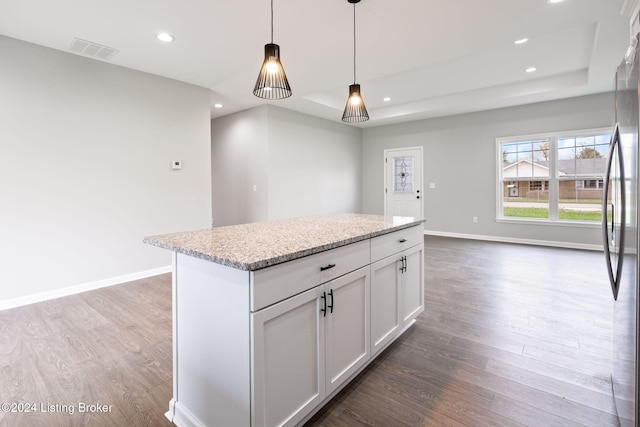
475, 219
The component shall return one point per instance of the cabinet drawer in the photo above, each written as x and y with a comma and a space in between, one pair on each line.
282, 281
389, 244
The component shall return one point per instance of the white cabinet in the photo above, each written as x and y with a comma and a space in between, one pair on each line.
397, 286
306, 346
346, 327
385, 317
269, 347
412, 284
288, 359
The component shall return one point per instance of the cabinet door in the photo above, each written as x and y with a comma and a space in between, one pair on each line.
346, 326
385, 316
288, 360
412, 284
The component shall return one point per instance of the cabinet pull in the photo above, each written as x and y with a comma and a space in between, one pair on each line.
331, 306
324, 304
403, 264
327, 267
402, 240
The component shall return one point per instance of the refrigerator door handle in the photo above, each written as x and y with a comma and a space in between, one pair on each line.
609, 236
613, 224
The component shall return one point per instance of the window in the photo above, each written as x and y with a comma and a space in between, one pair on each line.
558, 177
525, 178
403, 174
590, 183
536, 185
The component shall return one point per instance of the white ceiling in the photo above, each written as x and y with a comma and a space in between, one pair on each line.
432, 58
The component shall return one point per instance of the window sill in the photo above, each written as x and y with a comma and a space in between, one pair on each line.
546, 222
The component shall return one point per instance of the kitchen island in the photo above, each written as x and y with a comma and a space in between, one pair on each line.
272, 319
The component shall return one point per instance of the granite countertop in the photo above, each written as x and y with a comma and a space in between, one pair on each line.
262, 244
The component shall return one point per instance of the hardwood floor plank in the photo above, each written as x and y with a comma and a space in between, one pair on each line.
529, 415
562, 389
601, 383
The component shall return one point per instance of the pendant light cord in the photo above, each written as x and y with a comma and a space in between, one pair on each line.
271, 21
354, 43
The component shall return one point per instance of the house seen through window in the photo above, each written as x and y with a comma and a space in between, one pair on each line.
552, 177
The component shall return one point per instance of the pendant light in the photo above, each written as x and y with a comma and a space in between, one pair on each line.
354, 111
272, 81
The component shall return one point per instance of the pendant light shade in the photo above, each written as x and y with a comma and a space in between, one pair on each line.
272, 81
355, 110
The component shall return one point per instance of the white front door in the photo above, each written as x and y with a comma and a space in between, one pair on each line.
403, 182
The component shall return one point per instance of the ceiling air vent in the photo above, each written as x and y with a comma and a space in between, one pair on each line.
91, 49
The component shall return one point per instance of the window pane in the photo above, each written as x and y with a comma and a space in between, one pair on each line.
510, 147
581, 172
526, 159
526, 199
403, 174
602, 145
580, 200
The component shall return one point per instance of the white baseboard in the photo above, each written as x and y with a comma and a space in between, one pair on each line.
44, 296
551, 243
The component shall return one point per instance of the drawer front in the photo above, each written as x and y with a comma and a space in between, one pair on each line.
274, 284
392, 243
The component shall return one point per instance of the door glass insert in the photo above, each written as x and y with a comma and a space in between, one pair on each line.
403, 173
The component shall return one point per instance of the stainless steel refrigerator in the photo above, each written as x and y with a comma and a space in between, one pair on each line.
620, 234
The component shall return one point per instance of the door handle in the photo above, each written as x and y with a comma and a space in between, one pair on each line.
331, 306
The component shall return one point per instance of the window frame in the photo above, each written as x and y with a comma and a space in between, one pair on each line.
552, 182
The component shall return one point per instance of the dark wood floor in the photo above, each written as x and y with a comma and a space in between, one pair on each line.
512, 335
110, 346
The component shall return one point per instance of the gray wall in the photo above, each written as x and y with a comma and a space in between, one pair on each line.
460, 158
301, 165
86, 149
239, 153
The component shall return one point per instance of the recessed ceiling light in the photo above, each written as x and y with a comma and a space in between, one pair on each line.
554, 1
521, 41
165, 37
386, 99
217, 105
530, 70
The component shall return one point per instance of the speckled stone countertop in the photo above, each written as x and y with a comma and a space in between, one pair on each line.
262, 244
